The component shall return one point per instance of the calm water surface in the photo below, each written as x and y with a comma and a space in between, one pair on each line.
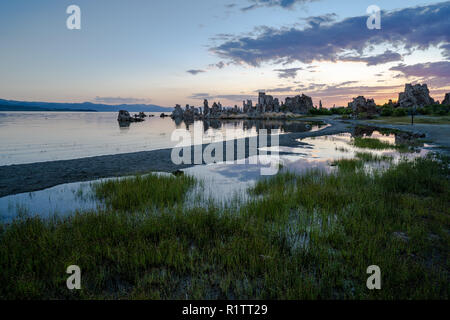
28, 137
221, 181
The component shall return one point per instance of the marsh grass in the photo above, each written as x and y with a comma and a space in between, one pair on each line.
309, 236
376, 144
143, 191
370, 157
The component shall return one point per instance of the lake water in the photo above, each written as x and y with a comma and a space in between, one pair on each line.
221, 181
28, 137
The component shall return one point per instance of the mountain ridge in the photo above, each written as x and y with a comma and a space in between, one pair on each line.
13, 105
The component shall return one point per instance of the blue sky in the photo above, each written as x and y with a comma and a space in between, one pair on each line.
140, 51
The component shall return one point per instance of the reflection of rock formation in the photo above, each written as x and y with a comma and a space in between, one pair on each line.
124, 125
361, 131
213, 123
415, 96
269, 125
401, 137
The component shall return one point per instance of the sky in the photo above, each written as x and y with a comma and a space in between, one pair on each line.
180, 52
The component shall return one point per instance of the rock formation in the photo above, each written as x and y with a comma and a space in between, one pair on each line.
205, 108
299, 104
266, 103
361, 105
177, 113
124, 116
446, 101
247, 107
415, 96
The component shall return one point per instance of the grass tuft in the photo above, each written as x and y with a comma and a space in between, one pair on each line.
143, 191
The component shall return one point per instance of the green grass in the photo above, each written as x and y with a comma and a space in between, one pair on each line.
370, 157
376, 144
308, 236
348, 164
417, 119
141, 192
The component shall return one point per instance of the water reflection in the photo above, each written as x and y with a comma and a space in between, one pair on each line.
221, 181
48, 136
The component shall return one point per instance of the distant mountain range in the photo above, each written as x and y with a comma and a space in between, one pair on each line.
11, 105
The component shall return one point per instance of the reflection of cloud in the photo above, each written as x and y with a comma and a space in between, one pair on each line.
327, 42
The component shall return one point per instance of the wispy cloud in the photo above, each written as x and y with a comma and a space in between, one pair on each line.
436, 73
317, 21
287, 4
387, 56
232, 97
195, 71
218, 65
277, 90
288, 73
120, 100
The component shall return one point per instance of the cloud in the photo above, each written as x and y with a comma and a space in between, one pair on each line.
436, 73
195, 71
316, 21
287, 4
445, 50
277, 90
387, 56
219, 65
120, 100
232, 97
341, 94
412, 28
288, 73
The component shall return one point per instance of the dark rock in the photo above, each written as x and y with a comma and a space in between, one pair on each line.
415, 96
124, 116
446, 101
177, 112
299, 104
361, 105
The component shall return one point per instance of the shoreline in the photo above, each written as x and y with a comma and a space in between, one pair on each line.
30, 177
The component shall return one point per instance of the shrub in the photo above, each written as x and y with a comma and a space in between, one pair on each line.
386, 111
399, 112
321, 112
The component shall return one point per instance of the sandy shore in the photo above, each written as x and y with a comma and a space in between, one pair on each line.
36, 176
